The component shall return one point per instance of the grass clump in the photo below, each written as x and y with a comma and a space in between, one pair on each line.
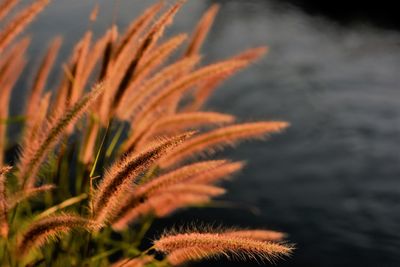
94, 167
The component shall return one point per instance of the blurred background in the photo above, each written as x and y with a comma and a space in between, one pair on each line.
332, 181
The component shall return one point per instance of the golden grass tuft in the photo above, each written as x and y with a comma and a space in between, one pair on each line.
28, 193
19, 22
42, 75
6, 6
4, 206
165, 184
215, 175
52, 227
136, 28
181, 121
150, 87
205, 90
160, 205
185, 83
229, 135
143, 66
132, 159
262, 235
32, 156
185, 247
178, 176
11, 67
122, 174
201, 31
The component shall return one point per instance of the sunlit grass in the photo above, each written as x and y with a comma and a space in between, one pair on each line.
94, 167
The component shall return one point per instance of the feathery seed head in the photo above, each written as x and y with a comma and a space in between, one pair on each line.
178, 176
181, 121
229, 135
122, 174
32, 156
262, 235
202, 30
215, 244
4, 206
221, 172
19, 22
138, 84
43, 230
6, 6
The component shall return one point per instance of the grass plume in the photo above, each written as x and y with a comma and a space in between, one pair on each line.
181, 121
132, 159
6, 6
4, 206
10, 70
46, 229
215, 139
42, 76
20, 21
123, 173
184, 247
200, 33
32, 156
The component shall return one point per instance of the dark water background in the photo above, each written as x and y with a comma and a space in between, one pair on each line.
332, 181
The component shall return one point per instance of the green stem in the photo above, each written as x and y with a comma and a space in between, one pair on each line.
88, 239
143, 230
115, 140
102, 255
149, 174
103, 140
162, 263
15, 119
92, 171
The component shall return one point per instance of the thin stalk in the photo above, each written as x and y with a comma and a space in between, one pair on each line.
14, 119
153, 171
8, 254
92, 171
114, 141
103, 140
145, 226
162, 263
62, 205
102, 255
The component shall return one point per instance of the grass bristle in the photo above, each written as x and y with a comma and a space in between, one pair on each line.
32, 156
185, 247
229, 135
19, 22
122, 174
46, 229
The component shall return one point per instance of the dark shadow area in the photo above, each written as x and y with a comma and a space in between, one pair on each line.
377, 13
380, 13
